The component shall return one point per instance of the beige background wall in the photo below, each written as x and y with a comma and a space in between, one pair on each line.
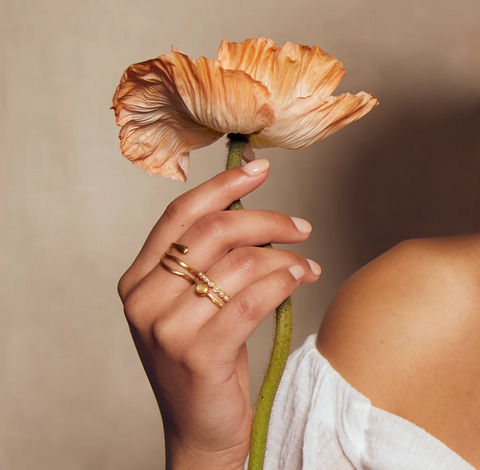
74, 213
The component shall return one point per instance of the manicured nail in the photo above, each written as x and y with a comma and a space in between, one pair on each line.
256, 167
302, 225
296, 271
315, 267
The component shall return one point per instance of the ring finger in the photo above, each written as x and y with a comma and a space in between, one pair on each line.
212, 237
233, 273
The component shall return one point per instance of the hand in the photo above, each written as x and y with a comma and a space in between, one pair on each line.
194, 352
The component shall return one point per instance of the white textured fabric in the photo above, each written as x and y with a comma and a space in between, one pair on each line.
320, 422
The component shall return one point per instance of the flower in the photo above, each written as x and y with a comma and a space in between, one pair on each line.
281, 97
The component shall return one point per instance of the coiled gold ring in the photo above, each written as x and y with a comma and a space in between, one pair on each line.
203, 283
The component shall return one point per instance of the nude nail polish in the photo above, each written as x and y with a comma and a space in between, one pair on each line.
296, 271
302, 225
256, 167
315, 267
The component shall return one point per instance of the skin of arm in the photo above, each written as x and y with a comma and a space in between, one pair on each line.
405, 332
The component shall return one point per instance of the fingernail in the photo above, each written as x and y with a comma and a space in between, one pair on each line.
296, 271
315, 267
302, 225
256, 167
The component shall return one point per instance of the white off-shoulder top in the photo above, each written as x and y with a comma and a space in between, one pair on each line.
320, 422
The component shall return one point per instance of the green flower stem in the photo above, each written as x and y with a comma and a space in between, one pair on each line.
235, 154
281, 342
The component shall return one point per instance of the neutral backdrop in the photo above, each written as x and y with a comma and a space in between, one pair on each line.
74, 212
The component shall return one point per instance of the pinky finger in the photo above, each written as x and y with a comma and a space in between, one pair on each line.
228, 331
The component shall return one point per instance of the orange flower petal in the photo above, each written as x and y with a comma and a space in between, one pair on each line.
256, 57
171, 105
291, 71
308, 120
160, 149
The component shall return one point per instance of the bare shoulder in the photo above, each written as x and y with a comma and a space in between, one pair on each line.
405, 331
406, 297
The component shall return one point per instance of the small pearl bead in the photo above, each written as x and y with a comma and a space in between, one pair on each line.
226, 298
211, 284
221, 294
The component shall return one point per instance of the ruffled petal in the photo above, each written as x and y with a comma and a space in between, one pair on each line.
303, 71
227, 101
163, 147
290, 72
176, 49
171, 105
248, 153
256, 57
308, 120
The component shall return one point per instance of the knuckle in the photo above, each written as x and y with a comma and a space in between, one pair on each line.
213, 224
181, 350
135, 308
246, 307
281, 284
192, 361
168, 341
226, 183
126, 284
162, 334
244, 258
277, 220
175, 211
122, 287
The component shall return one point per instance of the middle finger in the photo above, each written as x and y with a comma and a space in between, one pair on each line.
210, 239
216, 234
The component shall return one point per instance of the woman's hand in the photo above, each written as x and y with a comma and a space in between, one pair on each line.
194, 352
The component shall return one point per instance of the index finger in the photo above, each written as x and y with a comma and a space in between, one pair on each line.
214, 195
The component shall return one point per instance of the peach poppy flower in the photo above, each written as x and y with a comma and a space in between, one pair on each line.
281, 97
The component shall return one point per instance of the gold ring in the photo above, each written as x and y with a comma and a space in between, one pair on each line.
203, 283
178, 273
183, 249
181, 263
203, 291
209, 283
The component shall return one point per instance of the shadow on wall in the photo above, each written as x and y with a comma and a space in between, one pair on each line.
420, 178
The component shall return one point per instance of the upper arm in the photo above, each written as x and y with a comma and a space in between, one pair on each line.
402, 322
